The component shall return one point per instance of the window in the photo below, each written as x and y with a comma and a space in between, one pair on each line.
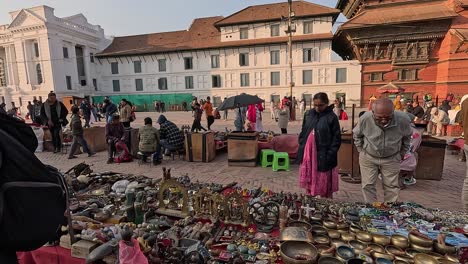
214, 61
274, 57
308, 27
39, 73
341, 75
36, 49
95, 84
188, 63
162, 83
65, 52
275, 78
116, 85
188, 82
311, 55
408, 75
215, 81
244, 33
245, 81
162, 65
137, 66
376, 76
244, 59
274, 30
139, 85
91, 57
307, 77
69, 83
115, 67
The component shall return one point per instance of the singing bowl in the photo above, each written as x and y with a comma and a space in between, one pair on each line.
376, 248
411, 252
395, 251
290, 249
444, 249
446, 261
400, 241
357, 245
435, 255
452, 258
383, 261
334, 234
381, 239
421, 248
302, 224
405, 258
337, 242
347, 237
354, 228
397, 261
318, 230
322, 248
377, 255
321, 240
422, 258
294, 233
316, 218
342, 226
329, 224
364, 236
329, 260
419, 241
344, 253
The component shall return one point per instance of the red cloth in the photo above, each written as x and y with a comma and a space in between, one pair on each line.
48, 255
131, 254
286, 143
252, 112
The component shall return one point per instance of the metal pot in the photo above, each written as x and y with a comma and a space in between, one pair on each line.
289, 250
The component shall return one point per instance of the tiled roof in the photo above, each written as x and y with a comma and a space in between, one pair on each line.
401, 13
202, 34
273, 12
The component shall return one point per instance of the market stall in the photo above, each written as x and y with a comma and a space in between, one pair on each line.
175, 220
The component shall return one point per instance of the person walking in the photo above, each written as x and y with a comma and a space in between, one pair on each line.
54, 115
208, 108
319, 142
283, 115
464, 124
382, 138
163, 107
225, 112
86, 109
197, 115
125, 113
94, 111
77, 132
110, 109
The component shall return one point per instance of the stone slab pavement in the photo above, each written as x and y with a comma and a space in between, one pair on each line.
444, 194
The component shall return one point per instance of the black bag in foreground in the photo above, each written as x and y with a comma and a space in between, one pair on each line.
33, 196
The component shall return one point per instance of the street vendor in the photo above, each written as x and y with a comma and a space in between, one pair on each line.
171, 138
382, 138
114, 134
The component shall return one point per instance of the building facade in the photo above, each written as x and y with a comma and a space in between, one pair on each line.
40, 52
414, 46
224, 56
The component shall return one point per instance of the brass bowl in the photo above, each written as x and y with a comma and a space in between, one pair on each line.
419, 241
322, 248
329, 224
347, 237
342, 226
444, 249
344, 253
329, 260
318, 230
395, 251
290, 249
316, 218
383, 261
294, 233
337, 242
376, 248
405, 259
421, 249
381, 239
342, 231
400, 241
364, 236
354, 228
424, 259
411, 252
377, 255
435, 255
357, 245
446, 261
302, 224
452, 258
321, 240
334, 234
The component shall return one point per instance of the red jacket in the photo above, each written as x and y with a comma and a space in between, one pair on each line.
252, 117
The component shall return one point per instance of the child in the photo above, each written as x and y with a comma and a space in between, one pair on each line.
77, 132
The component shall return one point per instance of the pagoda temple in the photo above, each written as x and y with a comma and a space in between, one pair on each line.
416, 46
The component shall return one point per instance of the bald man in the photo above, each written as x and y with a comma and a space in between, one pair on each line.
382, 138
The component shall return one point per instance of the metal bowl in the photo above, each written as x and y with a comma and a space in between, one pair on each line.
397, 261
364, 236
377, 255
334, 234
290, 249
452, 258
354, 228
400, 241
337, 242
302, 224
322, 248
381, 239
395, 251
435, 255
318, 230
411, 252
421, 248
342, 226
329, 224
376, 248
347, 237
424, 259
294, 233
405, 258
415, 239
357, 245
446, 261
329, 260
383, 261
344, 253
316, 218
321, 240
444, 249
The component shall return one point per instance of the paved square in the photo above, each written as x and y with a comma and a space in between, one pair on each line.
444, 194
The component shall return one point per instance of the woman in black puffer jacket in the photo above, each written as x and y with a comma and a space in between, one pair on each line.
319, 142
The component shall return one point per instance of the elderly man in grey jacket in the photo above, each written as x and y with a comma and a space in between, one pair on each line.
382, 138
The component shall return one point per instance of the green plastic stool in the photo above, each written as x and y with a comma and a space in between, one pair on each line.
281, 161
266, 157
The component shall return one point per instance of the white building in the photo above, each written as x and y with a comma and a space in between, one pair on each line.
40, 52
244, 52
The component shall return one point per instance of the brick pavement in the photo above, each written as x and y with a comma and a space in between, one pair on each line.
444, 194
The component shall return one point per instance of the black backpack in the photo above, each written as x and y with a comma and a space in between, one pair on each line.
33, 196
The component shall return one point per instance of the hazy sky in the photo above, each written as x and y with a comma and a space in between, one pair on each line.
125, 17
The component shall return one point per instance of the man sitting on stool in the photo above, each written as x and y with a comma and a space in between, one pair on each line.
172, 138
149, 141
114, 133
